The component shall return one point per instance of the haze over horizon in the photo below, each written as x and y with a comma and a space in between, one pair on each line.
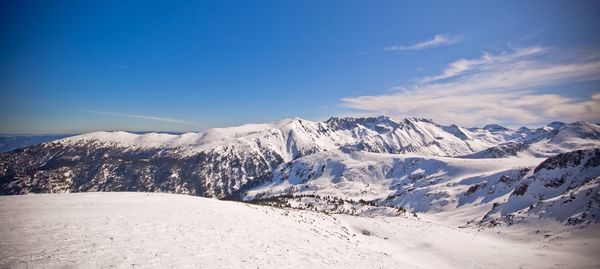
74, 67
66, 134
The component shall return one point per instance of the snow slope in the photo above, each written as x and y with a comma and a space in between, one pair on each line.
464, 188
164, 230
565, 187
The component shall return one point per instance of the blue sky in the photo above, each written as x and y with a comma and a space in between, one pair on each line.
78, 66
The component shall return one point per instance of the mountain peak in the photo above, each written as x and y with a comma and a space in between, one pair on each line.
374, 118
379, 123
495, 128
556, 125
417, 119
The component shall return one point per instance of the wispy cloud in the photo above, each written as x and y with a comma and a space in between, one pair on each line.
437, 41
136, 116
486, 62
508, 87
120, 66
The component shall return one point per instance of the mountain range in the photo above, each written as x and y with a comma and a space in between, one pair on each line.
469, 176
12, 142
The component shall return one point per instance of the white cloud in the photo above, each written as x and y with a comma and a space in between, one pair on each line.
495, 88
437, 41
145, 117
462, 66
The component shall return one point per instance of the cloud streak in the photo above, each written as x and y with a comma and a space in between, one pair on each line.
509, 87
145, 117
437, 41
120, 66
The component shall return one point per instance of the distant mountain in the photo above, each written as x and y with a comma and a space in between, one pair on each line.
552, 139
413, 163
495, 128
12, 142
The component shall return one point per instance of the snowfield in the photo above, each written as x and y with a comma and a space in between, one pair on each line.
153, 230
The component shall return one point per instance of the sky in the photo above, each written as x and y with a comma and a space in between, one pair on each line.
81, 66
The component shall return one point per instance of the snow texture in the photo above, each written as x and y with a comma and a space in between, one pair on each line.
127, 230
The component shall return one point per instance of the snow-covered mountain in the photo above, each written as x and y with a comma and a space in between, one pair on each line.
565, 187
297, 137
12, 142
552, 139
433, 185
414, 163
221, 162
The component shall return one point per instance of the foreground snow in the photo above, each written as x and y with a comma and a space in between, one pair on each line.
165, 230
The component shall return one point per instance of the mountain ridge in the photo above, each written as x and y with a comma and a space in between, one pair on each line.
414, 163
380, 125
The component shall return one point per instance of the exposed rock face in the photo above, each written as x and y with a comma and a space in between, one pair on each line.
507, 149
565, 187
380, 124
495, 128
571, 159
61, 168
